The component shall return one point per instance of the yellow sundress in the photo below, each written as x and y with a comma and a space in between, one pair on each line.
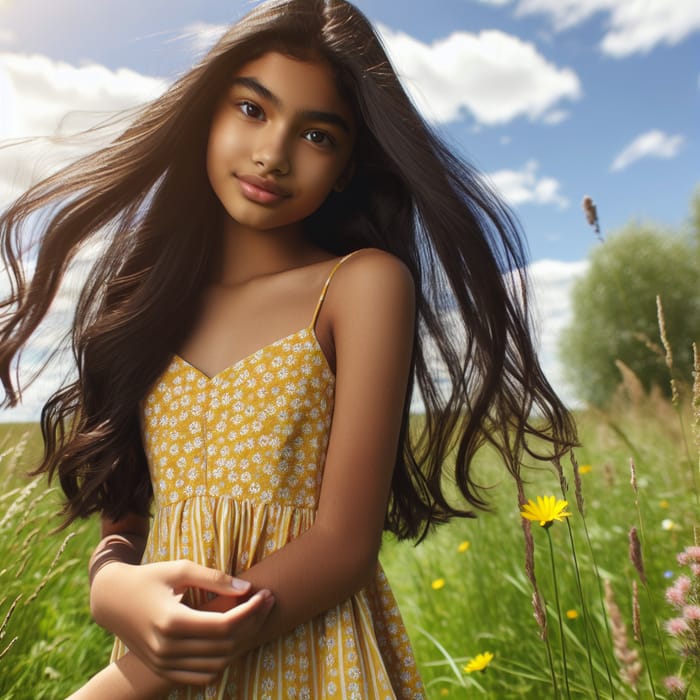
236, 462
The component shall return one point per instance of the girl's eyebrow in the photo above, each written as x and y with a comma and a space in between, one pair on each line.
310, 114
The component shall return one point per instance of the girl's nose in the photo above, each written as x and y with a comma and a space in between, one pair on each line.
271, 152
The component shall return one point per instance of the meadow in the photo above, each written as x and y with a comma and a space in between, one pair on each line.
602, 572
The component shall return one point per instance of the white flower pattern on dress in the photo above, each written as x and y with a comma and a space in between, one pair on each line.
236, 465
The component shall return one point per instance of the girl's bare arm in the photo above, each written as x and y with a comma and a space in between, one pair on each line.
371, 309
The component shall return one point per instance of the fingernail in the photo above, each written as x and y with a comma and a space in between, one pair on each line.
240, 585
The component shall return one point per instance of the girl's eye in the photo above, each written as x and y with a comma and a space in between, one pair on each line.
320, 138
250, 109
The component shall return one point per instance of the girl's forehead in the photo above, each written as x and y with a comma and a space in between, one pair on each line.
308, 82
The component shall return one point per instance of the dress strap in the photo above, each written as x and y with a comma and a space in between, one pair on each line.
325, 286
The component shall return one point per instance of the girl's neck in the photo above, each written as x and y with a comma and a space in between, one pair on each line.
248, 254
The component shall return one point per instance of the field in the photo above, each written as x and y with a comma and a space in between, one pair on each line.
464, 591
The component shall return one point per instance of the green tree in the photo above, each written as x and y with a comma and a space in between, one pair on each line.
614, 311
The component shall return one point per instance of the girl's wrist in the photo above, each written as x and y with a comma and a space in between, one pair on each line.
103, 587
116, 548
126, 679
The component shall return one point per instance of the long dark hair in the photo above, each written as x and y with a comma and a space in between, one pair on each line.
410, 195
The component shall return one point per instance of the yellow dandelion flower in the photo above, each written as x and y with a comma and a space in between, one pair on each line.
444, 692
663, 503
437, 584
571, 614
479, 662
585, 468
546, 510
463, 546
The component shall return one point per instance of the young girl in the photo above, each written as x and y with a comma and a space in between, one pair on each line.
291, 253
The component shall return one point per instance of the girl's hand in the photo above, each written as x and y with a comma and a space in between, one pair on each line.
141, 604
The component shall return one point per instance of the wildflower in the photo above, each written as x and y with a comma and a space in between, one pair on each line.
663, 503
689, 555
678, 592
463, 546
546, 510
695, 568
691, 612
444, 692
571, 614
437, 584
668, 524
668, 574
479, 662
675, 685
677, 626
585, 468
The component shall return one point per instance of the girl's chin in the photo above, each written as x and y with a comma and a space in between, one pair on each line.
263, 225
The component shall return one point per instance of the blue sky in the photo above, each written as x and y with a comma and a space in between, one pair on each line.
552, 99
606, 102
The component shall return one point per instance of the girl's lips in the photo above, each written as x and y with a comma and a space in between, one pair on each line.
260, 190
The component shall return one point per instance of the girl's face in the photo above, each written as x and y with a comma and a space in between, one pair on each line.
280, 140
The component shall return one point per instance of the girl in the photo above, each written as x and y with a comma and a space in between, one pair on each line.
291, 249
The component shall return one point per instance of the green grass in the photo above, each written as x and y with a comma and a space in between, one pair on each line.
49, 644
485, 604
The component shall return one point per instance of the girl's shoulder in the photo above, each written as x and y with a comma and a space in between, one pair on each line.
373, 280
374, 267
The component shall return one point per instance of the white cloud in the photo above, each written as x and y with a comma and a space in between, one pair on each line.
46, 92
493, 76
551, 282
633, 26
640, 25
44, 98
652, 144
526, 187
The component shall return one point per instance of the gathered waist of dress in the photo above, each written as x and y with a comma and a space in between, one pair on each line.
212, 502
223, 533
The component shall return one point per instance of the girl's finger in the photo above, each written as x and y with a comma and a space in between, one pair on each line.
203, 665
173, 650
184, 574
250, 613
190, 623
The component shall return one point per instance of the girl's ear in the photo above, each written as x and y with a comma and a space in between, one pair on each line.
343, 181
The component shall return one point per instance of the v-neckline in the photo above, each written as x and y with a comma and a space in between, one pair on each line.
249, 356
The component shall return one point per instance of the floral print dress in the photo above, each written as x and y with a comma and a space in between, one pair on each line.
236, 463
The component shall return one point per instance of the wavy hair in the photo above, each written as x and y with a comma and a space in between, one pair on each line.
147, 191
